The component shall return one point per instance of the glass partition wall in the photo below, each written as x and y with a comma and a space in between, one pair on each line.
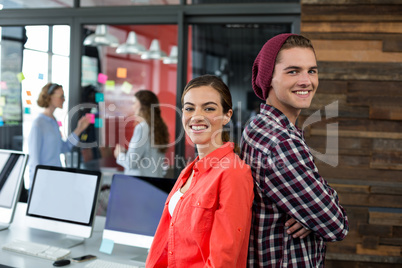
100, 79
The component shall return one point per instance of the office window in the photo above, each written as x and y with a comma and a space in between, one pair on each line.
45, 59
229, 51
119, 75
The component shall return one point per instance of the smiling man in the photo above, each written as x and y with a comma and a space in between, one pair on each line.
288, 188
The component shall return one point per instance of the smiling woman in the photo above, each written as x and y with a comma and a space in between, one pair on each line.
208, 211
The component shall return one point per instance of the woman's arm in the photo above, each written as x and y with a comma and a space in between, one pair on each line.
232, 221
136, 149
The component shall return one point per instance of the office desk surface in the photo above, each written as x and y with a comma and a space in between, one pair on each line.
18, 230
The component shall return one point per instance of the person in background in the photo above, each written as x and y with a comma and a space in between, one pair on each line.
45, 143
295, 211
207, 217
146, 151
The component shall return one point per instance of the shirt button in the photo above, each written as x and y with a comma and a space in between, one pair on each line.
170, 252
171, 224
198, 203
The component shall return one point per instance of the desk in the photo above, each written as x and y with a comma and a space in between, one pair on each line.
18, 230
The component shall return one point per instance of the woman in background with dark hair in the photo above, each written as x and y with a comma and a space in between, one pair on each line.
148, 145
207, 217
45, 143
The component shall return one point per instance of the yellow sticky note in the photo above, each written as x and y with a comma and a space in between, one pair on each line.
126, 87
121, 72
2, 101
1, 111
109, 85
20, 77
84, 137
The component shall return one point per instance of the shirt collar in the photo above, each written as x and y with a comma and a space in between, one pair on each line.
211, 160
279, 117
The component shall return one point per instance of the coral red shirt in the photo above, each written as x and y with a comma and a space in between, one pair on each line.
210, 226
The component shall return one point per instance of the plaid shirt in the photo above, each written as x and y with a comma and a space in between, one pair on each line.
287, 185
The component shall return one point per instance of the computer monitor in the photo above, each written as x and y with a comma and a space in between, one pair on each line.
134, 209
63, 200
12, 167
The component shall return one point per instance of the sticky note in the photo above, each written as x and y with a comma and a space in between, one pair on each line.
27, 110
40, 76
29, 93
20, 77
99, 97
98, 122
1, 111
126, 87
106, 246
84, 137
29, 102
1, 122
102, 78
91, 118
109, 85
59, 123
3, 85
121, 72
2, 101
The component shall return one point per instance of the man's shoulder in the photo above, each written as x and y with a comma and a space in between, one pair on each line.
265, 131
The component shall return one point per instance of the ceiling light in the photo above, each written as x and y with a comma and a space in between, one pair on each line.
131, 46
154, 52
101, 38
172, 59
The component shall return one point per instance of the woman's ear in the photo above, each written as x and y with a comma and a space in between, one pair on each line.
227, 116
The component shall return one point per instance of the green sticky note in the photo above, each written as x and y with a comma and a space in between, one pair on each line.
106, 246
20, 77
98, 123
109, 85
126, 87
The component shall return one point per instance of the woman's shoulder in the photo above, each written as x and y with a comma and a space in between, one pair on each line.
236, 163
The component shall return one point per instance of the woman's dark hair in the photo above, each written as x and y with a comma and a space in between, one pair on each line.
223, 90
150, 111
47, 91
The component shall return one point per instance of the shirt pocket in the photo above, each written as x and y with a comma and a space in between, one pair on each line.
203, 210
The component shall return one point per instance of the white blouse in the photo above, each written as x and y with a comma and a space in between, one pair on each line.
173, 201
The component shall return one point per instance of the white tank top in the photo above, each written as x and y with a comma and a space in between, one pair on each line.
173, 201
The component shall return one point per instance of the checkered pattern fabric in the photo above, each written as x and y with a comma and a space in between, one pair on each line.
287, 185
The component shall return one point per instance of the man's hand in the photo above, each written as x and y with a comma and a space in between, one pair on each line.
296, 229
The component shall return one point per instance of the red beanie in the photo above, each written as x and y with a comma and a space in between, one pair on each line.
264, 64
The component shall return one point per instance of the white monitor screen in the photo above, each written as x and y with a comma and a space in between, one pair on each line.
12, 167
134, 209
63, 195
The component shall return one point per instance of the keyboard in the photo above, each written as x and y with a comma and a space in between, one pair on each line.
37, 250
108, 264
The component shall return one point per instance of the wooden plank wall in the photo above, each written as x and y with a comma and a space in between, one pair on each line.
359, 50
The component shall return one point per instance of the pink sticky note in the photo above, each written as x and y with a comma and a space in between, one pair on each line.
3, 85
59, 123
91, 118
102, 78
